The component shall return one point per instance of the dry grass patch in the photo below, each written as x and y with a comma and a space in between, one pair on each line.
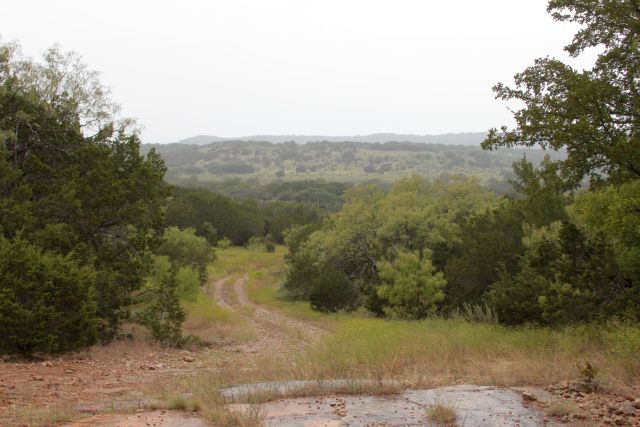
435, 352
201, 393
442, 414
35, 416
212, 323
561, 407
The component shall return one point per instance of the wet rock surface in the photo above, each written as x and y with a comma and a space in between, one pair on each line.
246, 391
474, 406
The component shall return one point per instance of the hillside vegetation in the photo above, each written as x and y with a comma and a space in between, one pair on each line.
256, 162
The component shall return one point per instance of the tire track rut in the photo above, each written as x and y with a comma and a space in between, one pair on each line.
277, 331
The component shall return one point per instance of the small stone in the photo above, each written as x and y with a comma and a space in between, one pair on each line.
69, 371
528, 397
636, 403
188, 358
619, 421
627, 409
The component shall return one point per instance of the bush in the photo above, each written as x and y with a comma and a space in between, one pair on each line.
46, 301
188, 278
256, 244
410, 286
188, 284
163, 315
224, 243
186, 248
332, 291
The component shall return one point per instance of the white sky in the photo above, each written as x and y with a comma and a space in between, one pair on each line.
331, 67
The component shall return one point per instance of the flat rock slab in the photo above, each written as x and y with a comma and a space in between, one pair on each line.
143, 419
474, 405
245, 392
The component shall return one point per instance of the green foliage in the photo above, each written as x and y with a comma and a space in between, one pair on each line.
541, 192
613, 211
189, 282
340, 164
73, 179
256, 244
565, 276
206, 211
303, 269
163, 314
592, 113
185, 248
490, 241
280, 216
331, 290
47, 302
269, 246
410, 286
224, 243
295, 236
415, 215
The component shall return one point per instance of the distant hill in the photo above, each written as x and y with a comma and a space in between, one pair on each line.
247, 164
468, 138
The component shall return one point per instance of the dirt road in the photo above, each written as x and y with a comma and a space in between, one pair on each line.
276, 331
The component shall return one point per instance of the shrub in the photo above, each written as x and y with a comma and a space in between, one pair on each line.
224, 243
410, 285
46, 301
184, 247
256, 244
188, 284
163, 315
332, 290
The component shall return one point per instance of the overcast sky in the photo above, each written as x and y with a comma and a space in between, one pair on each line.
331, 67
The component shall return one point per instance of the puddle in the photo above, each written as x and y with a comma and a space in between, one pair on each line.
474, 405
246, 391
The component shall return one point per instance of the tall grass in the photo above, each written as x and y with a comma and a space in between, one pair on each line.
444, 351
55, 414
468, 347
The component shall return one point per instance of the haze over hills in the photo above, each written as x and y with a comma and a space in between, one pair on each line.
237, 167
464, 138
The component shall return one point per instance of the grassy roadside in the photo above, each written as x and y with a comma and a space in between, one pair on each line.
428, 353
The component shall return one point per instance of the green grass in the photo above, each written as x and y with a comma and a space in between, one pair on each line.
427, 353
203, 308
264, 289
433, 351
266, 272
212, 323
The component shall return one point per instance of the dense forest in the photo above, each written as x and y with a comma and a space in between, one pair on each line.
97, 229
